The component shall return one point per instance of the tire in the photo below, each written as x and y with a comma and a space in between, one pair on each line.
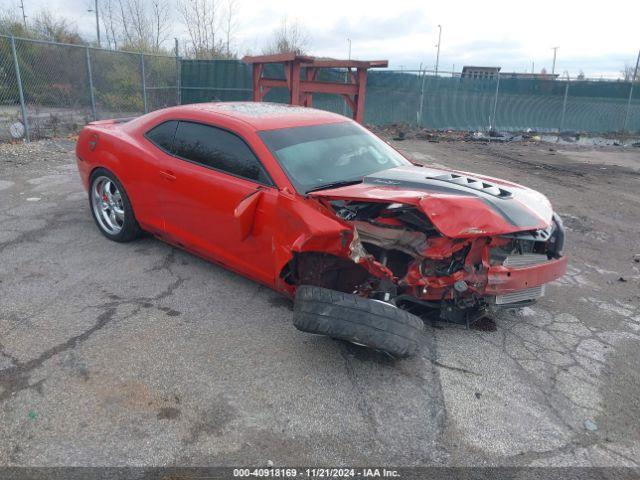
111, 208
371, 323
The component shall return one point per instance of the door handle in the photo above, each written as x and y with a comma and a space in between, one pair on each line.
167, 175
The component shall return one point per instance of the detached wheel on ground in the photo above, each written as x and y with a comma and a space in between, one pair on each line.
111, 208
358, 320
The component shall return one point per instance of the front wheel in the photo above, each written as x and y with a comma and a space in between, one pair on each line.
358, 320
111, 208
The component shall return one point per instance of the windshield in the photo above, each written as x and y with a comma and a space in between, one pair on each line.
324, 156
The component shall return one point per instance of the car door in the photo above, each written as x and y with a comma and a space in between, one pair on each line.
217, 199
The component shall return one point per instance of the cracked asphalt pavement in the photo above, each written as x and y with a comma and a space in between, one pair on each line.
141, 354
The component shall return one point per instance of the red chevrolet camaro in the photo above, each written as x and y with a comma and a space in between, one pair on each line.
315, 206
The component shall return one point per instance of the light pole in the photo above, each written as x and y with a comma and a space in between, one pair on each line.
633, 80
346, 79
95, 9
553, 66
24, 17
438, 53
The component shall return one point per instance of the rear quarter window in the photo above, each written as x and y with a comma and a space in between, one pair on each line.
162, 135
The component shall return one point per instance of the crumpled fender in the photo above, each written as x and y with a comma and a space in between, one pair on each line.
306, 227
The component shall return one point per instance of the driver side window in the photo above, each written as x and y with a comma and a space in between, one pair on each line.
218, 149
210, 147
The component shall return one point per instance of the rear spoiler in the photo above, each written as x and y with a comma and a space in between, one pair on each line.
112, 121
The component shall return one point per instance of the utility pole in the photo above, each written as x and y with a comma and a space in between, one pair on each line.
95, 9
438, 54
553, 67
97, 23
24, 17
633, 80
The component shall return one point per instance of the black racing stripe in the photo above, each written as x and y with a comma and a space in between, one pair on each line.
513, 212
509, 208
427, 185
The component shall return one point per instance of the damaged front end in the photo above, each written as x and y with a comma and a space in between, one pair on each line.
396, 254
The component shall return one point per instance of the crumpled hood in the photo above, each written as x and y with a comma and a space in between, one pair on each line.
459, 204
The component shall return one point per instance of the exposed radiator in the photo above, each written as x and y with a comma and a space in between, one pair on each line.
521, 295
524, 260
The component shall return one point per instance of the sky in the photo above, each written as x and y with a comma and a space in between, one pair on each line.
597, 38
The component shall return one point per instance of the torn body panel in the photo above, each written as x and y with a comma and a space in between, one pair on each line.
437, 245
468, 207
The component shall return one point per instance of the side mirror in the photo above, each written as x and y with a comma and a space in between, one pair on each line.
245, 213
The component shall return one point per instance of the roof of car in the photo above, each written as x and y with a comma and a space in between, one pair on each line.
263, 115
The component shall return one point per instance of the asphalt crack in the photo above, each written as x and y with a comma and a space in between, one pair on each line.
16, 378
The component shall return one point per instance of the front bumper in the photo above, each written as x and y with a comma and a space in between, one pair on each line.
501, 279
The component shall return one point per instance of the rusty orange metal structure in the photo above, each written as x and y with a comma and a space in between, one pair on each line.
301, 72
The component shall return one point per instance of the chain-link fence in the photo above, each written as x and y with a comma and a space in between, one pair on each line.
48, 89
58, 88
448, 101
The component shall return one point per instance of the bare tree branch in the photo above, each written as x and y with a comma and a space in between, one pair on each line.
142, 25
230, 25
200, 18
288, 37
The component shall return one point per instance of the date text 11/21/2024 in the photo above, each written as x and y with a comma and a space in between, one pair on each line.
316, 472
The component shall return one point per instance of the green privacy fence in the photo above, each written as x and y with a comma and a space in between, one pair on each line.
444, 102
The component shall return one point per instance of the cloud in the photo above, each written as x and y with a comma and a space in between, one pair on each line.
598, 41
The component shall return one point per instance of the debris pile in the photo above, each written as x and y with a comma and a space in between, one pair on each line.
403, 131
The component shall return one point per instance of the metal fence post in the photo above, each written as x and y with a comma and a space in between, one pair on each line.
178, 66
91, 94
492, 122
144, 83
564, 105
23, 107
633, 80
421, 106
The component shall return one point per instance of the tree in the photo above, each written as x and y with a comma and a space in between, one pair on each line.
160, 23
289, 37
200, 17
627, 73
135, 24
11, 24
46, 26
110, 23
230, 25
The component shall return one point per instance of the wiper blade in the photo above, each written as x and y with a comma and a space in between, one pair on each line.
342, 183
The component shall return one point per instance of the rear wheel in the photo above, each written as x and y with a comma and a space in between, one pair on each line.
358, 320
111, 208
